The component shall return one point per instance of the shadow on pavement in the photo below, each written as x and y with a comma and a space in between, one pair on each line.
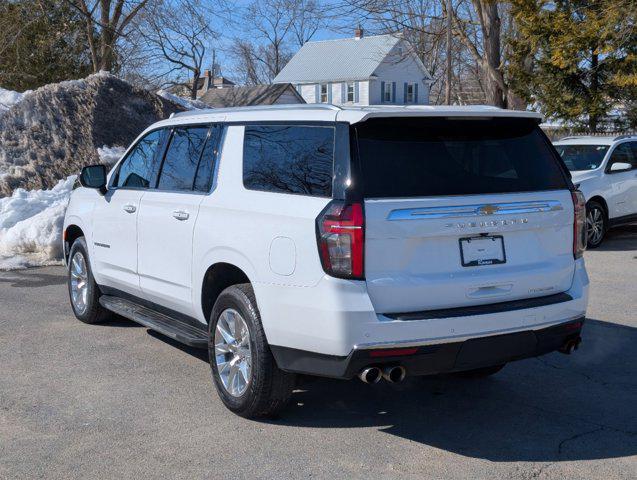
553, 408
619, 239
31, 278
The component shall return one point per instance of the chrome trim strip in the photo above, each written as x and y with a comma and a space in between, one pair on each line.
419, 342
478, 210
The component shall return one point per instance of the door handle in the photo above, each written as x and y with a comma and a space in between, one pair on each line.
181, 215
130, 208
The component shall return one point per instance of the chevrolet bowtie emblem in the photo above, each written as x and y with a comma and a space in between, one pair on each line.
487, 210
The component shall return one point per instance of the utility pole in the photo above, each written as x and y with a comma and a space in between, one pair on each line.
448, 85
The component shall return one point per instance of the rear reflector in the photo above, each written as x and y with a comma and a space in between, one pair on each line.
393, 352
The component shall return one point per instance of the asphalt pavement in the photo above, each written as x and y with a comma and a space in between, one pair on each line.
119, 401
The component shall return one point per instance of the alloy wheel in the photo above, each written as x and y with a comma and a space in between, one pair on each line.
79, 282
594, 225
233, 354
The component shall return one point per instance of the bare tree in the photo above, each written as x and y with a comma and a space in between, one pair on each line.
274, 26
106, 22
482, 26
175, 37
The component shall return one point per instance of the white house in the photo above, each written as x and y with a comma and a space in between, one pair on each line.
374, 70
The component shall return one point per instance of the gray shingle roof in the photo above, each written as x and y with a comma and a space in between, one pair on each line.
244, 96
337, 60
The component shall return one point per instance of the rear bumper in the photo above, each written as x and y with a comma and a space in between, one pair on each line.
336, 317
438, 358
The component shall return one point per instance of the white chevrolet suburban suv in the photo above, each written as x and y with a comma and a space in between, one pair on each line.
339, 242
605, 171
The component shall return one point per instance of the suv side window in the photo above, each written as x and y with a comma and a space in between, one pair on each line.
289, 159
139, 168
622, 153
182, 158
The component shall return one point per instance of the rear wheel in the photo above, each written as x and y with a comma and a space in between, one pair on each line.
480, 372
83, 291
595, 224
243, 369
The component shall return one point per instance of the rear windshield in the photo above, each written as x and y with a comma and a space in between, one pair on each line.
413, 157
582, 157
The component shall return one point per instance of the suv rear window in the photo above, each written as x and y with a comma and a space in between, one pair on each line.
413, 157
289, 159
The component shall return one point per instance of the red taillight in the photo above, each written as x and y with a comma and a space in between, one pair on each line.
341, 239
579, 223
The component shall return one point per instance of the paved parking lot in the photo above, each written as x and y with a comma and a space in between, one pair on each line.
118, 401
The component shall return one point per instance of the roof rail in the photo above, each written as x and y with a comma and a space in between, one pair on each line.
628, 135
258, 108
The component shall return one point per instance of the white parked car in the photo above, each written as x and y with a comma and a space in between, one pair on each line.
340, 242
605, 170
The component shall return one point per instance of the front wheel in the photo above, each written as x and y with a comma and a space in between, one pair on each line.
83, 291
595, 224
244, 371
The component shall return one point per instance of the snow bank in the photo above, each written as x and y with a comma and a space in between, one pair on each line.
110, 155
9, 98
57, 129
31, 225
187, 103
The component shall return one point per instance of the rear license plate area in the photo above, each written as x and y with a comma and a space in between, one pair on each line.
482, 250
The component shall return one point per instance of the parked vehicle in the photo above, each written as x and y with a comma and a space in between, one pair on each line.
605, 170
339, 242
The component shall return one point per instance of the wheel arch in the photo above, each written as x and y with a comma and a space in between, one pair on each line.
217, 278
599, 199
71, 233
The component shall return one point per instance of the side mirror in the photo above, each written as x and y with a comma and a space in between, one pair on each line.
94, 176
620, 167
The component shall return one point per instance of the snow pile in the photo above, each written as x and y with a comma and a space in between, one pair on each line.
9, 98
187, 103
31, 221
110, 155
31, 225
56, 130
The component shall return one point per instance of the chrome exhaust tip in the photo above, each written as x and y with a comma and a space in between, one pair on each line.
370, 375
394, 374
570, 346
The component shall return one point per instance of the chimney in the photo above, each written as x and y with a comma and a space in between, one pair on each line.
358, 33
207, 80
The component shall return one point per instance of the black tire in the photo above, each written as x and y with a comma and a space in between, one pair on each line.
269, 388
93, 311
480, 372
595, 213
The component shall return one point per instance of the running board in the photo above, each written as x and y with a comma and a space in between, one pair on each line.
175, 329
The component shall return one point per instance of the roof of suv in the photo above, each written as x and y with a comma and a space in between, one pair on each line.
327, 112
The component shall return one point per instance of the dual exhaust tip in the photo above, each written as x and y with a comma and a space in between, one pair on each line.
393, 374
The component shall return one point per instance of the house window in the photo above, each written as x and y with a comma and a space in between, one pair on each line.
323, 93
387, 92
410, 93
350, 92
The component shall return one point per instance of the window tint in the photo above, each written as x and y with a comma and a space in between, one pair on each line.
139, 168
582, 157
622, 153
289, 159
208, 160
182, 157
426, 157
